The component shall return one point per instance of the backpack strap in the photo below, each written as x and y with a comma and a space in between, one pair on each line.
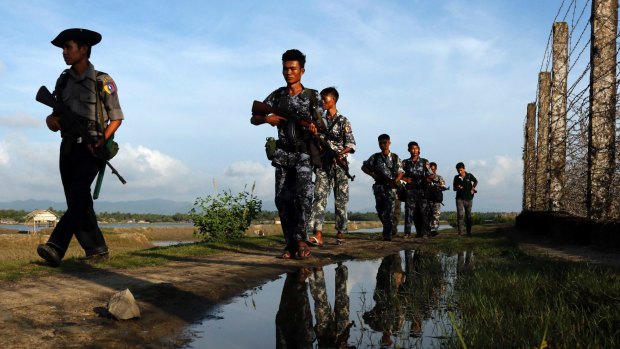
61, 83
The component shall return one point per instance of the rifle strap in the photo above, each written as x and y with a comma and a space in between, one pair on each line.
313, 104
99, 105
99, 122
394, 164
328, 134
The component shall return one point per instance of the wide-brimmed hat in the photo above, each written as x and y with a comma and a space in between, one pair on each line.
86, 36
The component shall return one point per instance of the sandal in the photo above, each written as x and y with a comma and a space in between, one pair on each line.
303, 251
286, 254
317, 239
314, 241
339, 238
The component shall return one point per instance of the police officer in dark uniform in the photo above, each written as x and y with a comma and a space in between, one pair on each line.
93, 96
291, 159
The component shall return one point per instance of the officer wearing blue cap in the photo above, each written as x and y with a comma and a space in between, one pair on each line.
94, 96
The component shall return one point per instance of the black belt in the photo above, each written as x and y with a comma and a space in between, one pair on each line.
298, 147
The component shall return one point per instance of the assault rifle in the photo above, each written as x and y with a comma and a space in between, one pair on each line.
72, 128
332, 155
262, 108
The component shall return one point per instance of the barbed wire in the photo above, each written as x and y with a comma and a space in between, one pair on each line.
579, 149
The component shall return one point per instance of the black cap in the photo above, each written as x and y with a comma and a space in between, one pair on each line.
86, 36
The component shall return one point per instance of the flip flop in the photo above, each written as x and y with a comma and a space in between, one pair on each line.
314, 241
303, 252
339, 238
286, 255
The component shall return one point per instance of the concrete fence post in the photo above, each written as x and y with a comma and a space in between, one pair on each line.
542, 142
557, 146
529, 159
602, 126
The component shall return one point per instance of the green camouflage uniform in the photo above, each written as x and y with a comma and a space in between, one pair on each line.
339, 135
434, 207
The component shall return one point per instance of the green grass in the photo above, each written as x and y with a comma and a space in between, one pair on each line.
133, 256
504, 299
508, 299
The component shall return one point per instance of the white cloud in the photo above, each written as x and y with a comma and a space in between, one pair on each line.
245, 169
4, 154
150, 168
500, 183
246, 173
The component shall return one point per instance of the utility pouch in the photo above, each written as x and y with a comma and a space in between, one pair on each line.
110, 148
270, 147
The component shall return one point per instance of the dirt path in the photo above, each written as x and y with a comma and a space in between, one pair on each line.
65, 310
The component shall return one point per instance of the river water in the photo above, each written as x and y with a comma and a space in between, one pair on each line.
402, 301
24, 227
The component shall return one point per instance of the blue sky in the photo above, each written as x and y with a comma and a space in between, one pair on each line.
455, 76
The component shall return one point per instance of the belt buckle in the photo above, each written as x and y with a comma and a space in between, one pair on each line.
78, 140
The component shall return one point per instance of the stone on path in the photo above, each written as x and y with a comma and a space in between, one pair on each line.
123, 306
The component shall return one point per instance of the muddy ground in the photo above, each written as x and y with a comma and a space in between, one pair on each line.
67, 310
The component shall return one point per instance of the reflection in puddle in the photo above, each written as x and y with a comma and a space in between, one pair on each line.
166, 243
401, 300
400, 229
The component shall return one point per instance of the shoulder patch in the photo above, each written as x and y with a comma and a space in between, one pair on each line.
108, 85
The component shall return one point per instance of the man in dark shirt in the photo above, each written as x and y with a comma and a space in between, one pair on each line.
465, 186
93, 96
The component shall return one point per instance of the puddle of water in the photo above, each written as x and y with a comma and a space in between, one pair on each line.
165, 243
401, 300
401, 229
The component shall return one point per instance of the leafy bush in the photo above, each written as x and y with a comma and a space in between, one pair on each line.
224, 216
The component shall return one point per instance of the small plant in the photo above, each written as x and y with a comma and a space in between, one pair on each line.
224, 216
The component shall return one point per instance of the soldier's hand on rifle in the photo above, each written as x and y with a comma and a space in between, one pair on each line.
95, 148
273, 119
53, 123
312, 128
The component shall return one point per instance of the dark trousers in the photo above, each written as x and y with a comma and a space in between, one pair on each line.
463, 210
294, 192
416, 213
78, 169
385, 199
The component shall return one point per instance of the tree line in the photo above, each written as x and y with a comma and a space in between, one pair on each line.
20, 216
449, 216
263, 216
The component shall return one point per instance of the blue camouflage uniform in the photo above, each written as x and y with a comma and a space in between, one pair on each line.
415, 205
293, 186
387, 166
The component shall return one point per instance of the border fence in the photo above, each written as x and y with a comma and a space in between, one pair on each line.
571, 161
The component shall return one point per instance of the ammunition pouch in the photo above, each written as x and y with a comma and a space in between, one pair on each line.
270, 147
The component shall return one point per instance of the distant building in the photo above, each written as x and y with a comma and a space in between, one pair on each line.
41, 218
